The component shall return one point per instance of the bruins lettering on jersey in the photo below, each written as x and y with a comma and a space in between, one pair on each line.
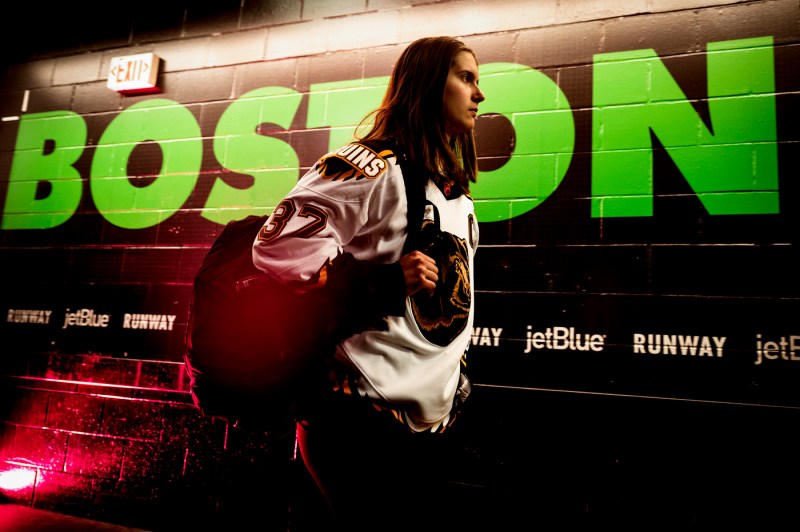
442, 315
353, 160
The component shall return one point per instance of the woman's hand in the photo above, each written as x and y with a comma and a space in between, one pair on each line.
420, 272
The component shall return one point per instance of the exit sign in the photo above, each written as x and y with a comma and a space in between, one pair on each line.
133, 74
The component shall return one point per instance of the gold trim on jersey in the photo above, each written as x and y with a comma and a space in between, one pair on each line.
354, 160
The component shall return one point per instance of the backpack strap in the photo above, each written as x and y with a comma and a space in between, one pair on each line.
415, 196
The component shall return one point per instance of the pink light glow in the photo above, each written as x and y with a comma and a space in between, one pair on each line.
17, 479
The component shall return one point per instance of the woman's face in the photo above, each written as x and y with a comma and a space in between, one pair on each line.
461, 95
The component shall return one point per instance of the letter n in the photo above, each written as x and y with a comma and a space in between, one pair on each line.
732, 165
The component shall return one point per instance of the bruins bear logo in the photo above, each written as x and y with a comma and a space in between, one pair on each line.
443, 314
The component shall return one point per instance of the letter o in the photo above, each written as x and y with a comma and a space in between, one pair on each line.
545, 132
178, 135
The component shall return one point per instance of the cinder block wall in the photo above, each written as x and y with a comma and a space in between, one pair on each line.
111, 434
119, 441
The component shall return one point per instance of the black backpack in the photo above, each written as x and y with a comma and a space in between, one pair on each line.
255, 347
251, 341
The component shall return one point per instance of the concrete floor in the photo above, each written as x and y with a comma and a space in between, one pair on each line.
24, 519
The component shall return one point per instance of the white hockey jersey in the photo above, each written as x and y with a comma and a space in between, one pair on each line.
354, 201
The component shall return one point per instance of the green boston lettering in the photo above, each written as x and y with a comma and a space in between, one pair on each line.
239, 147
733, 170
532, 102
48, 145
175, 130
545, 140
340, 105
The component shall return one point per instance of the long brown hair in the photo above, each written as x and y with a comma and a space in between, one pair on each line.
412, 112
